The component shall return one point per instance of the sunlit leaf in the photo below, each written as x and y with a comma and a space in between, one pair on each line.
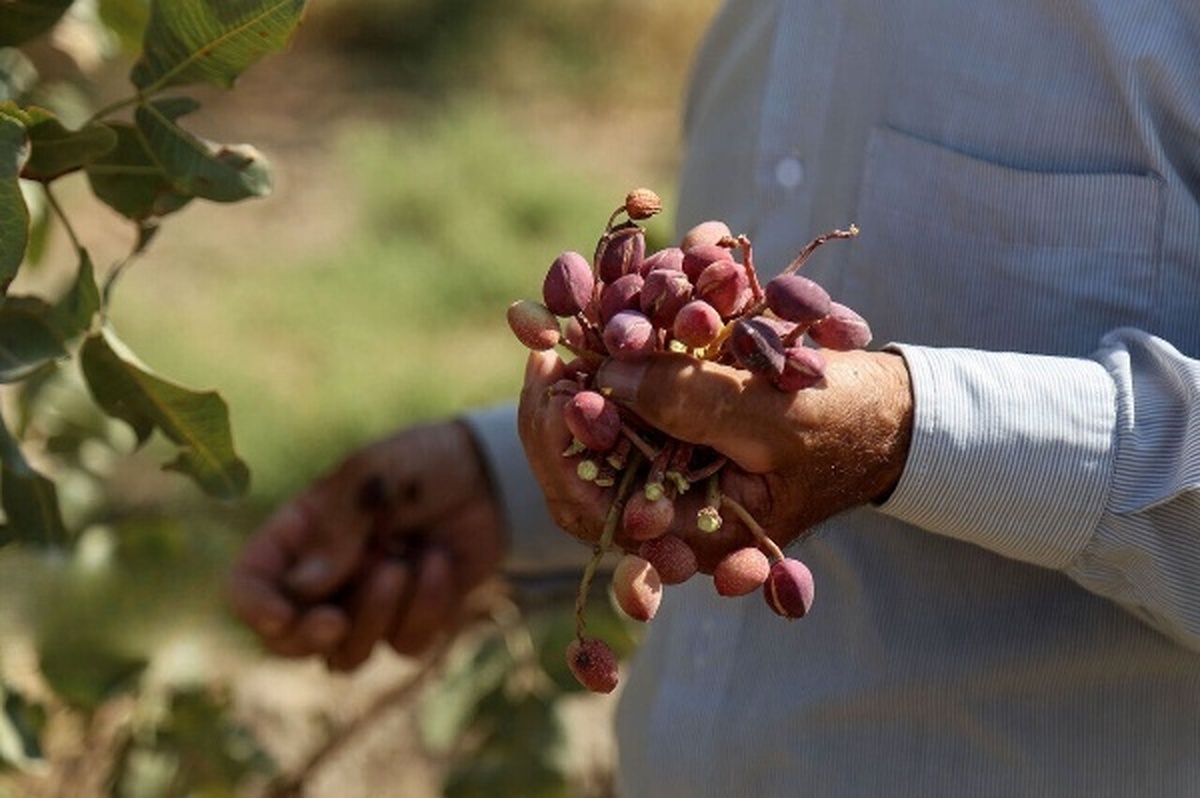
127, 20
198, 422
211, 41
39, 235
14, 215
56, 150
30, 500
220, 173
21, 20
130, 182
28, 340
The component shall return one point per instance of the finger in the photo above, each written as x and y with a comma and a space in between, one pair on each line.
431, 611
259, 604
318, 631
574, 504
542, 369
255, 573
256, 589
701, 402
373, 608
330, 544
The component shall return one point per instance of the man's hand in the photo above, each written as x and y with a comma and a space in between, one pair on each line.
384, 547
796, 458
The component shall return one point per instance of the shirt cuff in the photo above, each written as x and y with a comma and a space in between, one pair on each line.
1012, 452
536, 545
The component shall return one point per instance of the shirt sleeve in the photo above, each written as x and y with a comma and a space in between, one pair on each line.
1088, 466
537, 547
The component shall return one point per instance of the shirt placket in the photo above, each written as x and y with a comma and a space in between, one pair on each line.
799, 86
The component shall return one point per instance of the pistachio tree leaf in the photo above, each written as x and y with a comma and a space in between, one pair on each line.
198, 422
74, 312
131, 182
220, 173
211, 41
28, 340
33, 332
127, 20
23, 19
14, 215
30, 500
56, 150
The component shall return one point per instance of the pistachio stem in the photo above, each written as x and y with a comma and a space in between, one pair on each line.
603, 544
764, 541
812, 246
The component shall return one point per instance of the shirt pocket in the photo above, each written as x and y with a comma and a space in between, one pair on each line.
958, 251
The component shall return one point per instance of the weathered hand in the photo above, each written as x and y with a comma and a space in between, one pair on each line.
796, 458
386, 546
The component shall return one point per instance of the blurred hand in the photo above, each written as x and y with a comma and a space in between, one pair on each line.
796, 458
386, 546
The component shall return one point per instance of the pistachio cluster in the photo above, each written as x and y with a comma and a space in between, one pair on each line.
703, 298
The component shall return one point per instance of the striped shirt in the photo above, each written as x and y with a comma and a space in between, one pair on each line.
1022, 617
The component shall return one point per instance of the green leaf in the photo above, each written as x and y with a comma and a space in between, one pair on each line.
131, 182
23, 19
30, 500
39, 236
198, 422
211, 41
14, 215
28, 340
127, 20
33, 333
73, 314
221, 173
57, 150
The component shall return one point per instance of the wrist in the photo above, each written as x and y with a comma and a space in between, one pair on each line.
901, 423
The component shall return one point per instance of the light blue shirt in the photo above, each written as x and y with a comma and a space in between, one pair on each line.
1022, 617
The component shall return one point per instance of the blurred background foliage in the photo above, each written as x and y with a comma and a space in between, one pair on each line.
430, 157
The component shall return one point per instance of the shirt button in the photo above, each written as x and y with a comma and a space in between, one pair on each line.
789, 172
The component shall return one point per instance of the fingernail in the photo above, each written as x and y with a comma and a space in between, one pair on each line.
620, 379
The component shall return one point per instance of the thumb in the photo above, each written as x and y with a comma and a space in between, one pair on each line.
693, 400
